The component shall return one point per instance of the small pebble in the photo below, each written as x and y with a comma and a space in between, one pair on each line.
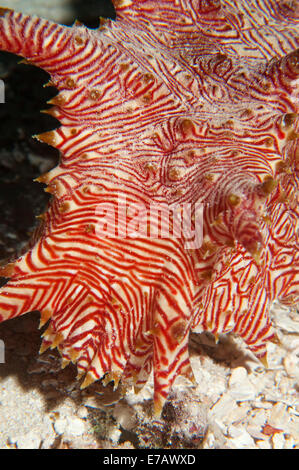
223, 406
240, 387
278, 441
264, 444
291, 363
115, 435
28, 441
60, 425
76, 427
125, 416
240, 438
82, 412
70, 426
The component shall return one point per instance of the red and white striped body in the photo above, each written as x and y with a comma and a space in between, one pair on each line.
175, 103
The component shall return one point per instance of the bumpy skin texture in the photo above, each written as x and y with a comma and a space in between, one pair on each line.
177, 101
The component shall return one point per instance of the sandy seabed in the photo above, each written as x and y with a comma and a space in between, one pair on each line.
238, 403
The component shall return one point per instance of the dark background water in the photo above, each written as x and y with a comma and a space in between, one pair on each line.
23, 158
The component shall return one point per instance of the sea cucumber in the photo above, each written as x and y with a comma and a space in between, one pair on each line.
186, 104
